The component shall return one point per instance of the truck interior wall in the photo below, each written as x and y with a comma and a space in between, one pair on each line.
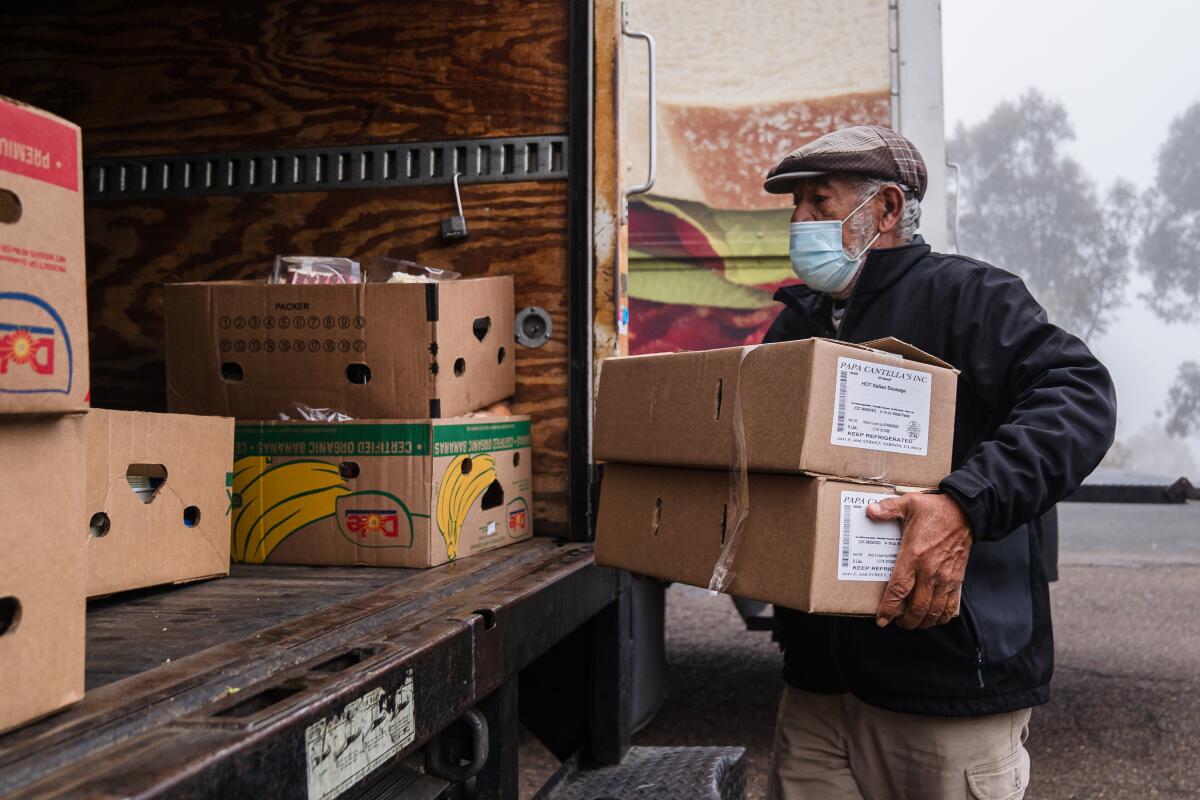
199, 78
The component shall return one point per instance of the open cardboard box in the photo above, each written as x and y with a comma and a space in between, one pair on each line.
806, 542
880, 411
157, 499
399, 493
371, 351
43, 286
42, 602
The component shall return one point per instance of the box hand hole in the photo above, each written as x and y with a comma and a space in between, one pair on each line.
657, 521
10, 614
232, 371
10, 207
724, 520
146, 480
501, 355
191, 516
348, 470
493, 497
460, 366
358, 373
720, 397
99, 525
516, 458
480, 327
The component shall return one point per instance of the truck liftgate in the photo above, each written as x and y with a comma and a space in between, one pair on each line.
319, 681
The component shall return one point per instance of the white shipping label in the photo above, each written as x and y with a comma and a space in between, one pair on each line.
881, 407
346, 747
868, 548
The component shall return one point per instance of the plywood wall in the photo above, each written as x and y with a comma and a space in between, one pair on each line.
146, 79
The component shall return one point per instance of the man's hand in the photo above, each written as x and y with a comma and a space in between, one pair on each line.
936, 539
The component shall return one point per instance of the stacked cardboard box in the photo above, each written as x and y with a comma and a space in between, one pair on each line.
401, 480
821, 429
157, 499
43, 389
150, 487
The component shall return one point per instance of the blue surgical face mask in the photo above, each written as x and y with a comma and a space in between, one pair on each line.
818, 257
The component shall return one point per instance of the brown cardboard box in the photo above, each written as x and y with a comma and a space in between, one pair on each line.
393, 493
882, 411
157, 499
43, 291
42, 603
806, 542
372, 351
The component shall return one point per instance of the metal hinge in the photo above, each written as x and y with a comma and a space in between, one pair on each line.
523, 158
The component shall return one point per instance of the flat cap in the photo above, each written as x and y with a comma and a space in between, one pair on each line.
867, 150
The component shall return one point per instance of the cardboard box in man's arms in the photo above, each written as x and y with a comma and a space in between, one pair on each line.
882, 411
806, 542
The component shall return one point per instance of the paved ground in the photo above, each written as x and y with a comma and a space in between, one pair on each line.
1124, 721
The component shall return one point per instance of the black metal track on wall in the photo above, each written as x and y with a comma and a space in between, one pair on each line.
580, 278
319, 169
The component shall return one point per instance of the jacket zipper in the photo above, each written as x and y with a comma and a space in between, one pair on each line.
969, 620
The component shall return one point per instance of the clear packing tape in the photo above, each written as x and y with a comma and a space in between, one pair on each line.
738, 506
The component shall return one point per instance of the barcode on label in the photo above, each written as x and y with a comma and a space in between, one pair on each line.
846, 511
842, 391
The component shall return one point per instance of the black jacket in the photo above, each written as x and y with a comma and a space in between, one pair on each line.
1035, 414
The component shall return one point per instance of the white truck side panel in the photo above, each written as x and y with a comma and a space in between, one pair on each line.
917, 104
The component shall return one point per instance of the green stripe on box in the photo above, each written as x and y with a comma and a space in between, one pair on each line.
480, 437
344, 439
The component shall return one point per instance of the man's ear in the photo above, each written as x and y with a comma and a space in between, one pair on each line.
893, 205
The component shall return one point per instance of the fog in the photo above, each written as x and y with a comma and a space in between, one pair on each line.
1123, 72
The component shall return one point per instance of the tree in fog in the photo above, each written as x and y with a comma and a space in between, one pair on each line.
1183, 401
1170, 255
1170, 251
1026, 206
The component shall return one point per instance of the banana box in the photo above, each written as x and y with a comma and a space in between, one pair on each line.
393, 493
43, 292
156, 499
43, 569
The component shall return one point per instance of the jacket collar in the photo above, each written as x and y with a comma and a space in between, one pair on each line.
884, 266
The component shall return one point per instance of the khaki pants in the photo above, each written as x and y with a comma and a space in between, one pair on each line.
836, 747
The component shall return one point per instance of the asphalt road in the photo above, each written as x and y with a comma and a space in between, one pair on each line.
1124, 718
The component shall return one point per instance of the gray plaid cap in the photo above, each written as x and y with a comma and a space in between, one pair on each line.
867, 150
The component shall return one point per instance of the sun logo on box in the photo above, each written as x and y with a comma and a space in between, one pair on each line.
367, 522
19, 346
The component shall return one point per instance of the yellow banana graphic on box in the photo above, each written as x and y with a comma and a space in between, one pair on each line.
274, 502
458, 492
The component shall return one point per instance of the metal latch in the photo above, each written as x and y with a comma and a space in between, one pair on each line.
455, 228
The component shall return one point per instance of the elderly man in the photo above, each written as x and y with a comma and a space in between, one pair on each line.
931, 698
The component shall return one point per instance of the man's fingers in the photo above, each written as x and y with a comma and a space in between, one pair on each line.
952, 604
943, 597
920, 602
892, 508
899, 587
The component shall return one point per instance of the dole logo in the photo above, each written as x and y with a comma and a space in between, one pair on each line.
33, 345
21, 346
518, 517
374, 519
365, 522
